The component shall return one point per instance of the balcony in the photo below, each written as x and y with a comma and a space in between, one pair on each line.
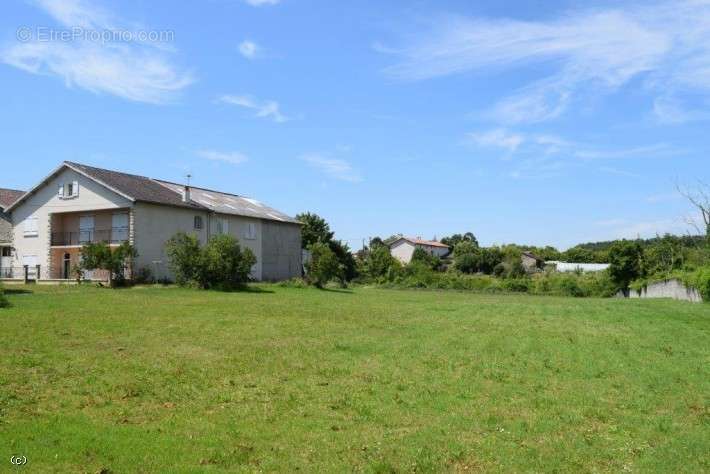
116, 235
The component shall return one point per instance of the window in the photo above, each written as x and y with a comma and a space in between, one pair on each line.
119, 227
30, 225
198, 222
222, 226
250, 231
86, 229
6, 252
69, 190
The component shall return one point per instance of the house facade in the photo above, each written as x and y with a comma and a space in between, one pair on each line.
77, 204
7, 197
403, 248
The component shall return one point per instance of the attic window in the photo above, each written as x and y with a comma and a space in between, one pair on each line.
69, 190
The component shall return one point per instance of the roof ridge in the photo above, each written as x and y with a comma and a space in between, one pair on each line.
164, 181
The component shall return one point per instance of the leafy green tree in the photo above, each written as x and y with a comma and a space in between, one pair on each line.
664, 255
345, 257
425, 258
488, 259
184, 253
220, 264
225, 265
626, 262
378, 262
323, 266
116, 260
467, 262
458, 238
578, 255
314, 229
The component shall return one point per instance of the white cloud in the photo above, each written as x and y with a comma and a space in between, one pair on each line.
131, 70
333, 167
667, 45
268, 109
233, 157
498, 138
260, 3
619, 172
248, 49
641, 151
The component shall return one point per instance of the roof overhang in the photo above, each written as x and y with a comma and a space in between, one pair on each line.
53, 174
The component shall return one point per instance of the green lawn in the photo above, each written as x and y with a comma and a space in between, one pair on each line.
172, 380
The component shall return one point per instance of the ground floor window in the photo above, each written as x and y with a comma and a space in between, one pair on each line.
5, 251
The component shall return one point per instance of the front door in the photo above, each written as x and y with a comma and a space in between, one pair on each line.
5, 262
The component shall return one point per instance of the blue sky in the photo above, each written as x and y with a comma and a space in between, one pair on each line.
530, 122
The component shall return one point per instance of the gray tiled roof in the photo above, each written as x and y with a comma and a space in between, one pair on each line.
226, 203
8, 196
140, 188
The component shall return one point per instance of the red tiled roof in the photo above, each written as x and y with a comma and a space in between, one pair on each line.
8, 196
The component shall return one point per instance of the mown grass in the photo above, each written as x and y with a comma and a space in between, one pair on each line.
172, 380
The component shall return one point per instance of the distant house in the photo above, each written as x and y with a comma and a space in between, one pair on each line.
531, 262
403, 248
577, 267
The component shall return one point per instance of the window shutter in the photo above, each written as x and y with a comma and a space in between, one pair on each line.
225, 226
61, 191
75, 188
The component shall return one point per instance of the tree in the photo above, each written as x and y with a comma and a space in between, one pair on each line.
221, 264
100, 256
700, 199
345, 257
225, 265
314, 229
578, 255
378, 262
467, 256
185, 255
488, 259
626, 262
457, 238
323, 266
423, 257
664, 255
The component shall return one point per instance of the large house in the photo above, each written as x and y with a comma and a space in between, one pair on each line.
77, 204
403, 248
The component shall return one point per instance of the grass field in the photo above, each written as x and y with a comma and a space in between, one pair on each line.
172, 380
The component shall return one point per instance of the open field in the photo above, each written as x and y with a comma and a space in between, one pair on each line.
165, 379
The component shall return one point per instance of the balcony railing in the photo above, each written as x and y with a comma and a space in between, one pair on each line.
116, 235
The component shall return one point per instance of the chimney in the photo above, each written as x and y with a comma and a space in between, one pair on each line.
186, 194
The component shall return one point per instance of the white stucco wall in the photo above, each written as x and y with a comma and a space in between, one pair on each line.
153, 225
402, 251
45, 201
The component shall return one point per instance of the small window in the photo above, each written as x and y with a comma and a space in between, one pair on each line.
31, 227
250, 231
222, 226
69, 190
198, 222
7, 251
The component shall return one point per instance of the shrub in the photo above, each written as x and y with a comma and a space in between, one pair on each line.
422, 256
700, 280
224, 264
184, 254
293, 283
221, 264
466, 263
143, 275
323, 266
115, 261
379, 263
